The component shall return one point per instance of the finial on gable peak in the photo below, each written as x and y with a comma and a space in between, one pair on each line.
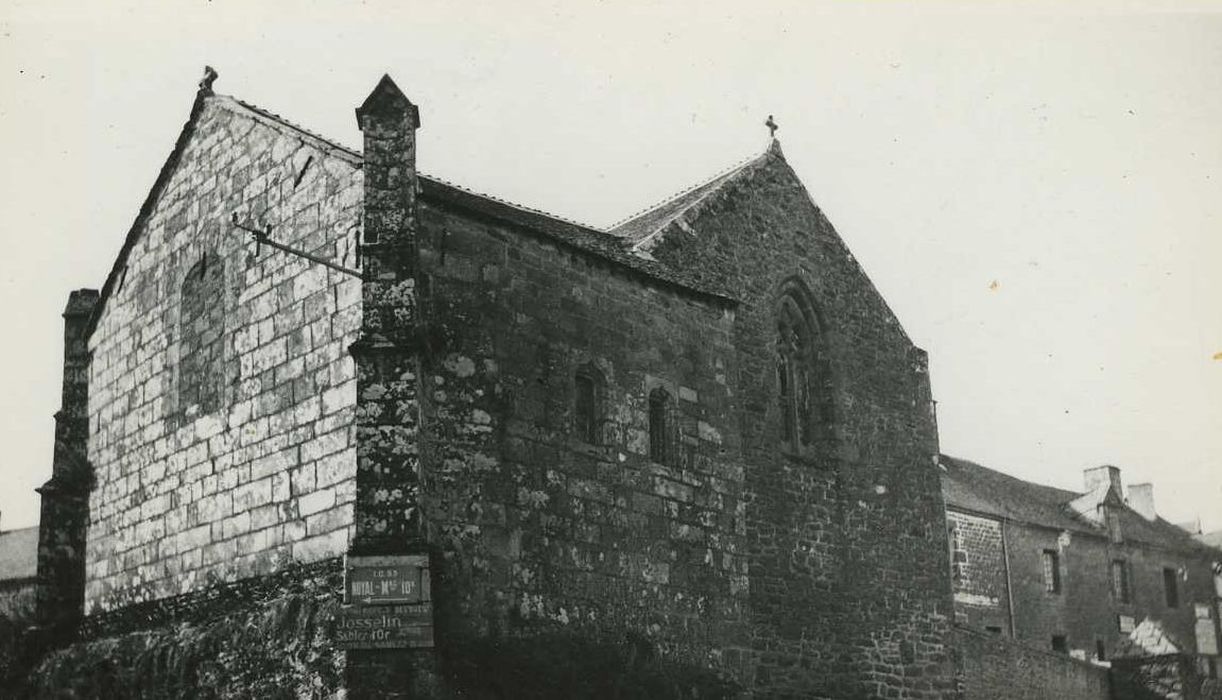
772, 127
387, 99
205, 83
774, 149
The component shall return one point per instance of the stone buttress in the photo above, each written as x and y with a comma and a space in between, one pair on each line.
387, 353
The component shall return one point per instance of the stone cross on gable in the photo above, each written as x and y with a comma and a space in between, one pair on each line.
772, 127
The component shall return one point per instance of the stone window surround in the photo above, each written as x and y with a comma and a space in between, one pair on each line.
1050, 560
805, 408
589, 412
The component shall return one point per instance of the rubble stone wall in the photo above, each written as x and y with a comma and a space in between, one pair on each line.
998, 668
543, 531
850, 593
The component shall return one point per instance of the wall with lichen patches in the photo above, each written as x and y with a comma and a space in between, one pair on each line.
849, 584
539, 532
229, 466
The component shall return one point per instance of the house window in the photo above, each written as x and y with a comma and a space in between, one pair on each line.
1121, 590
1171, 592
661, 427
958, 554
1052, 571
587, 405
1100, 650
1059, 644
801, 392
992, 629
201, 326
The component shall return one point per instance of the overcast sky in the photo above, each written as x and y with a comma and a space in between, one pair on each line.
1035, 189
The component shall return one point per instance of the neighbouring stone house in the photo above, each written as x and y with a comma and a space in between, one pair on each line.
18, 572
697, 445
1093, 574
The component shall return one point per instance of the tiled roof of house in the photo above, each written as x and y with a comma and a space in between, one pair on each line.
612, 247
972, 487
19, 554
1212, 539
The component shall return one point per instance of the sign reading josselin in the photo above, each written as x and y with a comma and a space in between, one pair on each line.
387, 603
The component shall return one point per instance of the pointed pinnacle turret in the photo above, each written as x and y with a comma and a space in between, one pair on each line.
387, 98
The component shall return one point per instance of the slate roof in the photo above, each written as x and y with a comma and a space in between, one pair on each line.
610, 246
638, 228
971, 487
19, 554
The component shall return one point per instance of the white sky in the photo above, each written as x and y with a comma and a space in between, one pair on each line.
1071, 155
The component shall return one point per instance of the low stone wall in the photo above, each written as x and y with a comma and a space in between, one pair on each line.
265, 637
999, 668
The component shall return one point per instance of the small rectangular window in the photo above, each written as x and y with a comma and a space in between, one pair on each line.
1100, 650
993, 629
585, 414
1059, 644
1052, 571
1170, 589
1120, 581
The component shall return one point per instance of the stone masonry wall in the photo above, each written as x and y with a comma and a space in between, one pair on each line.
1087, 612
229, 464
849, 587
541, 532
978, 572
997, 668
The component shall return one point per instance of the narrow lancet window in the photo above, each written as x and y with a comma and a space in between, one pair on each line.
587, 405
661, 449
797, 376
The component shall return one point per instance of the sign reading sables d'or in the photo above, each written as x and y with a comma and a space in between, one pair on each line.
387, 603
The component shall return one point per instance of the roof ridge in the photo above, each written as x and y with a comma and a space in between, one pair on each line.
268, 114
683, 193
515, 205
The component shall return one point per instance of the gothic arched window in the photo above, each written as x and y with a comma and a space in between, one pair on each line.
661, 426
588, 388
201, 325
800, 387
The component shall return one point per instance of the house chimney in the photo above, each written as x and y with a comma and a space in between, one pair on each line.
1141, 499
1094, 478
64, 516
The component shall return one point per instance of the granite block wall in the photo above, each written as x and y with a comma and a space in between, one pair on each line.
978, 572
222, 393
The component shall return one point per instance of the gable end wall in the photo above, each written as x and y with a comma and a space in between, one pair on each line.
188, 497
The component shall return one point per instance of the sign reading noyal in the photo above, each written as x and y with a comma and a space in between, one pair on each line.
387, 603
